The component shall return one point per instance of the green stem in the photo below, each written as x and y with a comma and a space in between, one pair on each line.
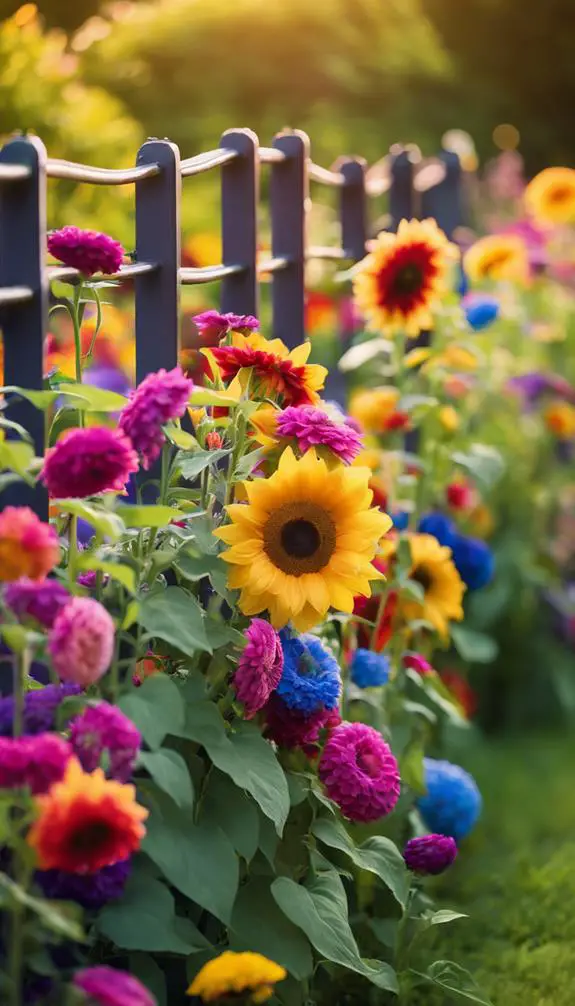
77, 334
236, 455
73, 549
21, 667
16, 953
97, 326
402, 944
165, 473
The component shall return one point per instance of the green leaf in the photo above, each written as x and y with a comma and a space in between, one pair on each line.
413, 590
145, 919
258, 924
484, 462
473, 647
144, 967
148, 516
192, 465
175, 616
209, 396
411, 767
108, 524
15, 637
320, 909
363, 353
227, 806
443, 916
155, 707
40, 399
452, 978
88, 398
16, 455
124, 575
378, 855
170, 772
181, 438
57, 917
198, 859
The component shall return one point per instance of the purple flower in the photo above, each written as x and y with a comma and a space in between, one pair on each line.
88, 461
530, 386
260, 666
105, 729
108, 378
160, 397
90, 890
37, 762
291, 728
105, 986
39, 599
430, 854
40, 708
212, 325
312, 428
359, 772
88, 251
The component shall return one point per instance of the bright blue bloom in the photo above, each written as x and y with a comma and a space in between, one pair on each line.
474, 561
440, 526
453, 802
400, 520
311, 677
462, 284
368, 669
481, 312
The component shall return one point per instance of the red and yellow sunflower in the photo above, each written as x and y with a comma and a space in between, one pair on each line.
550, 196
276, 371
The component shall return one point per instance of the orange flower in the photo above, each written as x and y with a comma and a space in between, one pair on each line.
28, 547
86, 822
560, 420
276, 372
498, 257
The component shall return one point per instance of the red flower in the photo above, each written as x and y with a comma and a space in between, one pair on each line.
460, 496
461, 690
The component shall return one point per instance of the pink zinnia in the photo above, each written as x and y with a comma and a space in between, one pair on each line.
359, 772
88, 251
160, 397
106, 729
312, 427
89, 461
212, 325
28, 547
81, 641
417, 663
259, 668
37, 762
39, 599
290, 728
104, 986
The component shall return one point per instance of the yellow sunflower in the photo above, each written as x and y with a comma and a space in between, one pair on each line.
372, 407
497, 257
237, 974
304, 542
550, 196
399, 284
433, 568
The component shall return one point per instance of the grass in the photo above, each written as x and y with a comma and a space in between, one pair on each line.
515, 876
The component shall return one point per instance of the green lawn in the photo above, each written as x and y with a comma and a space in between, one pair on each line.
516, 875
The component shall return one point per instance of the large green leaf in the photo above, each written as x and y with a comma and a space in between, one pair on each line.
192, 465
175, 616
88, 398
259, 924
473, 647
145, 919
378, 855
148, 516
320, 909
170, 772
149, 972
453, 979
107, 523
228, 806
155, 707
125, 575
198, 859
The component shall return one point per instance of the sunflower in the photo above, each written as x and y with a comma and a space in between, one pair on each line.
86, 822
232, 975
304, 542
550, 196
498, 257
276, 372
398, 285
433, 568
373, 407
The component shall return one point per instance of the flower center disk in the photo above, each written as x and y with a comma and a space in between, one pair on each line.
300, 537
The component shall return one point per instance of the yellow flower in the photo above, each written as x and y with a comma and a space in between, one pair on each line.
304, 542
433, 568
370, 456
482, 520
400, 283
448, 418
373, 406
232, 974
453, 357
560, 420
275, 370
204, 249
550, 196
498, 257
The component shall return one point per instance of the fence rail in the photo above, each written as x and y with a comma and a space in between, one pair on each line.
413, 188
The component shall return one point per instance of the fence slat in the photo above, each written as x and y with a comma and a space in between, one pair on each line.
240, 190
288, 196
22, 258
353, 207
444, 202
158, 241
401, 194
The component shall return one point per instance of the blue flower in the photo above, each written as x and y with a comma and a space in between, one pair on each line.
440, 526
462, 284
311, 678
453, 802
481, 312
474, 561
368, 669
400, 520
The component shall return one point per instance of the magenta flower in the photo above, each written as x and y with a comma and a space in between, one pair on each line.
104, 729
430, 854
160, 397
81, 641
37, 762
39, 599
89, 461
359, 772
88, 251
259, 668
213, 326
417, 663
312, 427
104, 986
290, 728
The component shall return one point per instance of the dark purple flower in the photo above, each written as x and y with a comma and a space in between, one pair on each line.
212, 325
105, 728
91, 890
105, 986
40, 708
39, 599
430, 854
533, 385
88, 251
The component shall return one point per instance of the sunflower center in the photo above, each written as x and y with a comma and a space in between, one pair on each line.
90, 837
495, 261
422, 576
300, 538
408, 279
560, 194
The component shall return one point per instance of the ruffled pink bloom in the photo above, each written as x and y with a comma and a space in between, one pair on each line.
104, 986
81, 642
312, 427
260, 666
105, 729
359, 772
417, 663
88, 251
290, 728
39, 599
212, 325
37, 762
89, 461
160, 397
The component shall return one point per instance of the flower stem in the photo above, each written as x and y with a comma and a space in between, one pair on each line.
16, 953
21, 668
73, 549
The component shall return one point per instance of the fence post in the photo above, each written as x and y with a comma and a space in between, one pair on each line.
289, 194
157, 303
24, 325
401, 193
444, 202
353, 207
240, 191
